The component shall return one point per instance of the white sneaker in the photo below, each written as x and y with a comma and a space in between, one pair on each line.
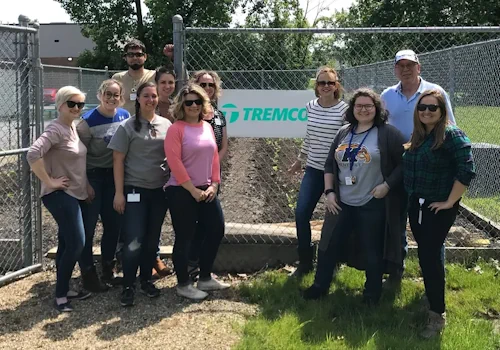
212, 284
191, 292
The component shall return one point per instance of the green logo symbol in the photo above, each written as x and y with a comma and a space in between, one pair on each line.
229, 107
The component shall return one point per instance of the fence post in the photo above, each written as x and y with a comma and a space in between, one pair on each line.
451, 76
178, 49
38, 91
80, 78
24, 98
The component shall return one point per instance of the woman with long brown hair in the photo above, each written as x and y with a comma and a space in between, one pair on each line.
438, 167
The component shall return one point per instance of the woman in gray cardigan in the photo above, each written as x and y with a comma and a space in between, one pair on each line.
363, 188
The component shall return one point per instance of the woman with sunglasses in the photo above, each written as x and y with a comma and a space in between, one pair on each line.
57, 158
193, 159
211, 83
325, 116
137, 156
438, 167
364, 186
95, 129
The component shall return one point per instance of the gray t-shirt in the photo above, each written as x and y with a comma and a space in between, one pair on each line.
366, 168
144, 151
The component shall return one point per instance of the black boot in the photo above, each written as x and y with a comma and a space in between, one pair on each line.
306, 257
91, 281
109, 273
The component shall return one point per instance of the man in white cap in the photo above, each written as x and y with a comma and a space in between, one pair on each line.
400, 101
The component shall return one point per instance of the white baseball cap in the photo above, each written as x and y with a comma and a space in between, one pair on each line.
409, 55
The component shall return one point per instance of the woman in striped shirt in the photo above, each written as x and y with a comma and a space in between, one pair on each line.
325, 116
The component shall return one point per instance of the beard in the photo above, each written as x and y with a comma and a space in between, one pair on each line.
136, 66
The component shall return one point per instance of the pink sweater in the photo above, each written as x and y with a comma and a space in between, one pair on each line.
192, 154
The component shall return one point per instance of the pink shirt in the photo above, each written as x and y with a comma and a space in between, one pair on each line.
192, 154
63, 155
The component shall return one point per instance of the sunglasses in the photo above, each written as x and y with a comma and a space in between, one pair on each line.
135, 54
152, 130
422, 107
72, 104
325, 83
204, 85
190, 102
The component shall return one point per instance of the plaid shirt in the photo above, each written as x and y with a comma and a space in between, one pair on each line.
430, 174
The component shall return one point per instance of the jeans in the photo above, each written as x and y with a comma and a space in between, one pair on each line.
430, 235
404, 240
103, 184
71, 236
142, 224
187, 216
311, 189
369, 222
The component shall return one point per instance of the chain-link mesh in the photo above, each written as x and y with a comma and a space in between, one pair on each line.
256, 186
20, 110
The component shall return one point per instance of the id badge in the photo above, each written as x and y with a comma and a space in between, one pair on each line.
133, 96
348, 181
133, 197
218, 121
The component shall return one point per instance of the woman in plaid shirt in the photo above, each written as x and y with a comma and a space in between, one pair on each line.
438, 167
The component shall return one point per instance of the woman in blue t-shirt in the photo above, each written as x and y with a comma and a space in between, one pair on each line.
96, 128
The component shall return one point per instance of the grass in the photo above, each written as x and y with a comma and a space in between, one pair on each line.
480, 123
341, 322
488, 207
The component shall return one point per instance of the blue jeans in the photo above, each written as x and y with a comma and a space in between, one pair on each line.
71, 236
188, 216
311, 189
141, 230
103, 184
369, 222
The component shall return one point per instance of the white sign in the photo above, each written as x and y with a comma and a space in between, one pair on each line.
265, 113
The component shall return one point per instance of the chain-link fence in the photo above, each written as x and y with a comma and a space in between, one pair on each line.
20, 113
259, 195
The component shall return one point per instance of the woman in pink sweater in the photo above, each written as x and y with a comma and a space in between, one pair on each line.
193, 159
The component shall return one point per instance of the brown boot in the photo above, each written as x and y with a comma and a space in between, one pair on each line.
161, 269
435, 324
91, 281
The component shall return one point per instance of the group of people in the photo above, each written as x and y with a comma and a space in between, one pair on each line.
380, 160
377, 159
129, 166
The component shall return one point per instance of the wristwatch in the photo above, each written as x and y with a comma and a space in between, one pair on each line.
330, 190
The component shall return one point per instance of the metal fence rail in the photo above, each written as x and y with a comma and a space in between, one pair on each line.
20, 115
464, 61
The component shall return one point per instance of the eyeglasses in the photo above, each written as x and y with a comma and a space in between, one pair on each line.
406, 66
135, 54
190, 102
368, 108
72, 104
325, 83
204, 85
422, 107
110, 95
152, 130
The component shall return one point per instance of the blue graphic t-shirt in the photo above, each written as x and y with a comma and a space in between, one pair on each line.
96, 130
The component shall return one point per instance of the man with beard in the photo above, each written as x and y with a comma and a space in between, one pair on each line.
136, 75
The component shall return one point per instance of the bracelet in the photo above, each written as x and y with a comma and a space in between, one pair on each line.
328, 191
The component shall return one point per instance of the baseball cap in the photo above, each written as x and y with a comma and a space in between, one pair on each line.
409, 55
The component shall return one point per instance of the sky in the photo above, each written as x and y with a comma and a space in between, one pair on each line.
47, 11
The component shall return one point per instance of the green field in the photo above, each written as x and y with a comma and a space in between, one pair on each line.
481, 124
340, 321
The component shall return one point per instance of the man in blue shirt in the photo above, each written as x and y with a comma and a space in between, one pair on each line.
400, 101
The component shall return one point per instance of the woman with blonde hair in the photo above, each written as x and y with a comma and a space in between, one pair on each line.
57, 158
96, 128
438, 167
325, 116
211, 83
193, 159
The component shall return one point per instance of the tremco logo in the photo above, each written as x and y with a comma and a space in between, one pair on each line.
233, 114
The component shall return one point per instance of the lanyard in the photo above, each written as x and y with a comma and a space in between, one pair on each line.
354, 152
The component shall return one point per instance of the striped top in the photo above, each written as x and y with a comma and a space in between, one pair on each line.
323, 123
